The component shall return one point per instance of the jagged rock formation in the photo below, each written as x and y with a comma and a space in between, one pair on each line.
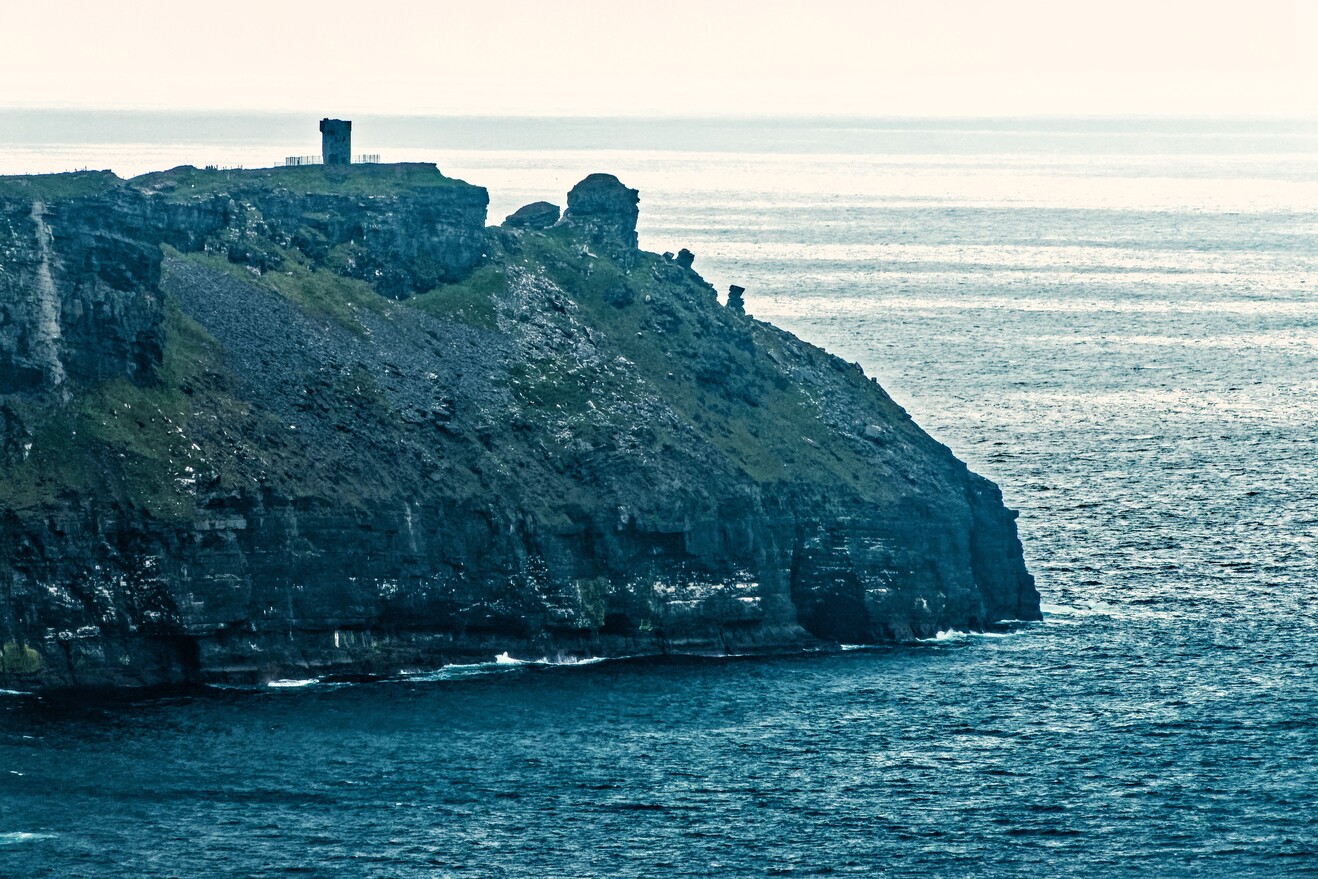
605, 211
737, 302
229, 457
403, 228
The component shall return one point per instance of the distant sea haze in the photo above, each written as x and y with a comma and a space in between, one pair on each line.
1115, 320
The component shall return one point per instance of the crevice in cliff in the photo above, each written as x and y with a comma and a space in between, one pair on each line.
46, 345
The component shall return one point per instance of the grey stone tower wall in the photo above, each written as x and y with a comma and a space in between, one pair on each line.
336, 141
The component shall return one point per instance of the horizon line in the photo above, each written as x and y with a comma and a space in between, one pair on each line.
679, 117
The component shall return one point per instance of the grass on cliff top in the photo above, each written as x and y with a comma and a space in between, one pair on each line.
319, 292
124, 441
780, 435
74, 184
322, 293
470, 302
187, 182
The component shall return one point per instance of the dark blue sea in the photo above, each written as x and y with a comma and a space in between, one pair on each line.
1116, 320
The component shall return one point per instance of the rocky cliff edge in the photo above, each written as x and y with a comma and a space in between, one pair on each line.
309, 421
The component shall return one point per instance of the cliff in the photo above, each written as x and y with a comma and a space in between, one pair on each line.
319, 420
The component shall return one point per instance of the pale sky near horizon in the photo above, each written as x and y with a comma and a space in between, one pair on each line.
591, 57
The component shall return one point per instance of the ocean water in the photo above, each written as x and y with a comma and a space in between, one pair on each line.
1116, 320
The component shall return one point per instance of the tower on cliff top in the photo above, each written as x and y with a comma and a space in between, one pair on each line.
336, 141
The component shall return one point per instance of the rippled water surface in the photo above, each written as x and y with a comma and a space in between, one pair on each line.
1115, 321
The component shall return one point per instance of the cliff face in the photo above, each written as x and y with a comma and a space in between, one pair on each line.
403, 228
77, 301
231, 458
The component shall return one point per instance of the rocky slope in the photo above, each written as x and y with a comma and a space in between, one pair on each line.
257, 424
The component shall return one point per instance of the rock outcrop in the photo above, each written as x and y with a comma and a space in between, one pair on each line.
77, 300
605, 211
536, 215
231, 455
403, 228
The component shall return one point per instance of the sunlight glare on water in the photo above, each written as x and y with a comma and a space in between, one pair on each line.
1118, 325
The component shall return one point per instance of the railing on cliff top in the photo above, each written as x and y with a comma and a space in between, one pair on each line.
363, 159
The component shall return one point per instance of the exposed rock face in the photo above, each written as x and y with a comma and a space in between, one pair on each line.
220, 474
536, 215
76, 301
403, 228
736, 299
685, 258
605, 211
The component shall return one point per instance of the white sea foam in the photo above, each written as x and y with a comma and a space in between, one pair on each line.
289, 683
505, 659
15, 837
954, 635
502, 663
945, 636
451, 672
1097, 608
1058, 609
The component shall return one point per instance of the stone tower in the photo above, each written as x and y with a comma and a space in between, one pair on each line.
336, 141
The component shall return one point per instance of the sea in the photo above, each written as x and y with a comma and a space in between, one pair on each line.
1114, 319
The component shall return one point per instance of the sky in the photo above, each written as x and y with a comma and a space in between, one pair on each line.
680, 58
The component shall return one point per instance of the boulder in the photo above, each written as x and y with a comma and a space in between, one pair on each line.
536, 215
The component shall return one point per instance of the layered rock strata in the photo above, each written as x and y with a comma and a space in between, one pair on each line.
265, 424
